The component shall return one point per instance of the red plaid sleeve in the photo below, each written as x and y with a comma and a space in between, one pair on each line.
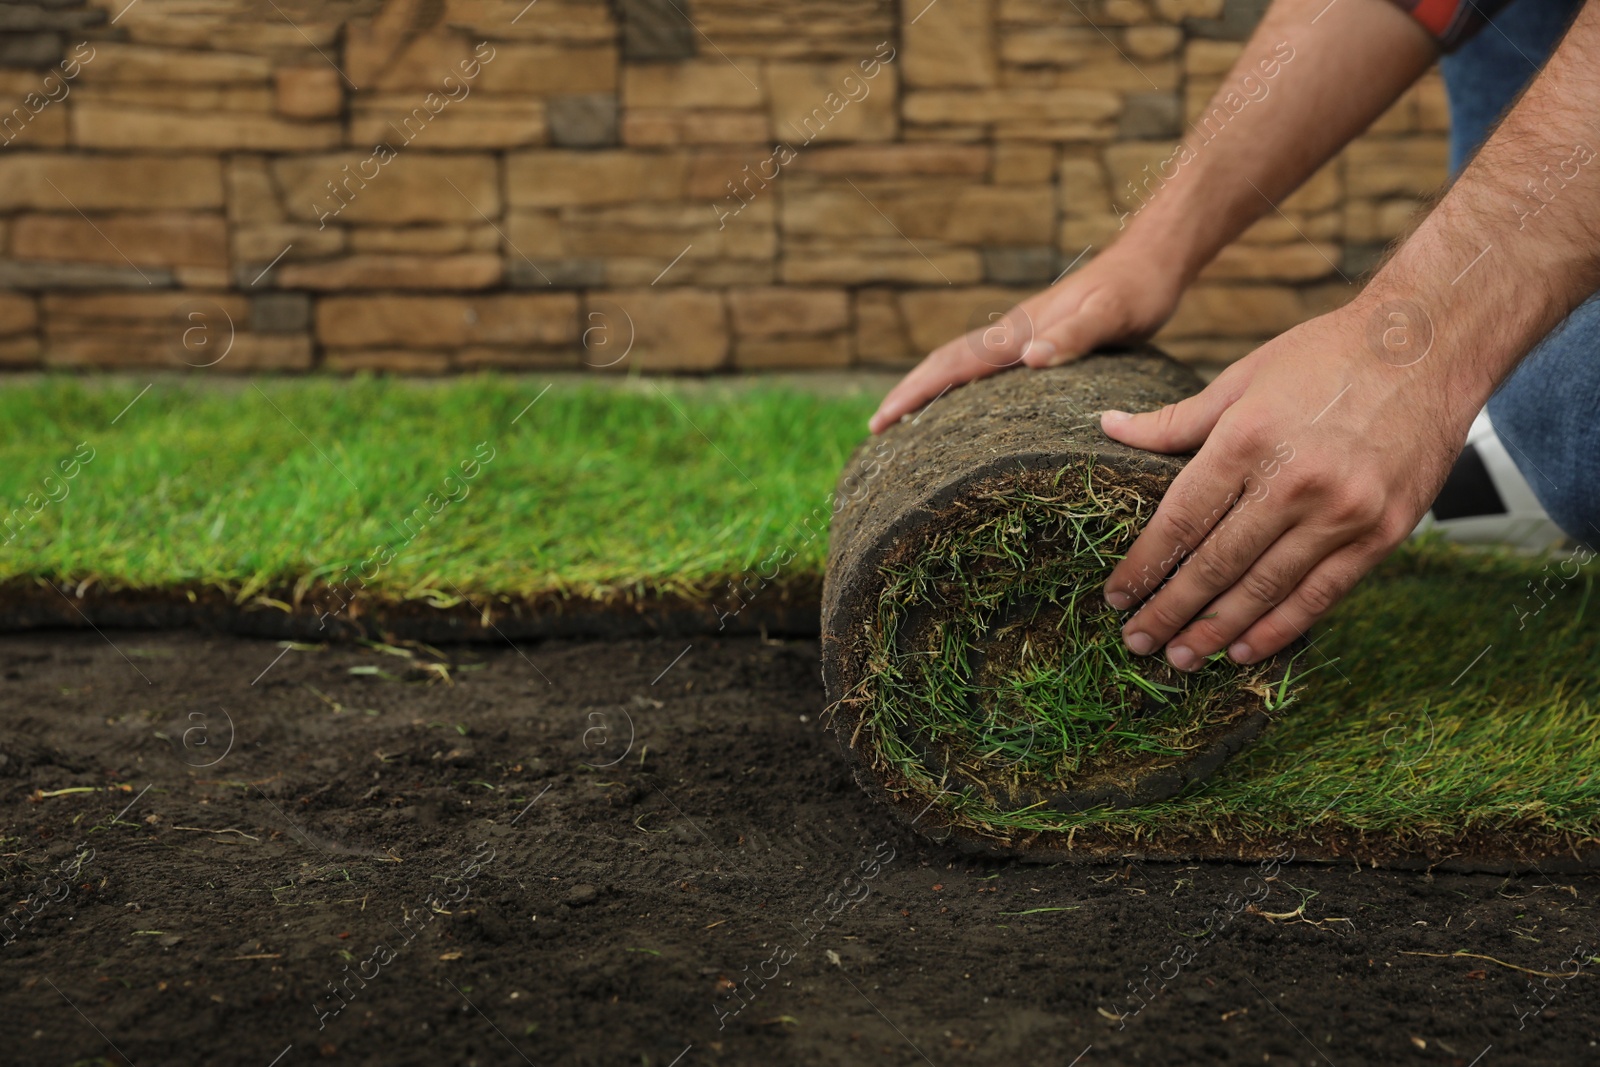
1451, 22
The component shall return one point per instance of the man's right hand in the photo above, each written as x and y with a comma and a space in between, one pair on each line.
1120, 296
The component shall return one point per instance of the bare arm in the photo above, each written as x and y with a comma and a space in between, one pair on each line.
1347, 62
1323, 447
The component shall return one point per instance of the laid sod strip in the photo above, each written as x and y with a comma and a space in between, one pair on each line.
1449, 705
974, 670
592, 492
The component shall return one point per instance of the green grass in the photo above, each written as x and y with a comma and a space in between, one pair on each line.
593, 490
1412, 729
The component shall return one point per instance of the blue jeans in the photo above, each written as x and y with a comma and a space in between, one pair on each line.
1546, 411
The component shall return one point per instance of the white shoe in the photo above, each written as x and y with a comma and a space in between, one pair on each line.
1486, 500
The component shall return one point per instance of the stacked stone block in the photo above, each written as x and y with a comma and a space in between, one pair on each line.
427, 186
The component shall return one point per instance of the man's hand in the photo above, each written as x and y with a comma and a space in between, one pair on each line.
1122, 295
1317, 457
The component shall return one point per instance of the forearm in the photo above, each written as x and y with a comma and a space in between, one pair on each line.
1313, 76
1515, 245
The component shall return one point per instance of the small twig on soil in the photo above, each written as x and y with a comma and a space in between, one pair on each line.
1464, 954
207, 830
257, 956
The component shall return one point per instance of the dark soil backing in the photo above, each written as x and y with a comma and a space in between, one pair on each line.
968, 461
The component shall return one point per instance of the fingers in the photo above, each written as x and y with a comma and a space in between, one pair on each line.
1093, 321
979, 353
1205, 491
1180, 427
1269, 581
1242, 542
1323, 586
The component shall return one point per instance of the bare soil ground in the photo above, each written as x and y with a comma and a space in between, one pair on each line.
651, 852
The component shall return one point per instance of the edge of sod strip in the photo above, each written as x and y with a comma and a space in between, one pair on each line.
974, 672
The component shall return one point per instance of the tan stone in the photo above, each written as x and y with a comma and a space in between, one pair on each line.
1301, 261
254, 352
656, 127
1078, 233
1058, 132
384, 57
1038, 13
18, 352
936, 316
1080, 106
446, 322
894, 160
1116, 73
412, 187
558, 178
546, 70
872, 209
569, 21
1051, 46
68, 312
296, 242
476, 121
1369, 222
386, 360
17, 314
1210, 352
673, 329
33, 121
780, 312
55, 181
950, 134
880, 263
155, 240
1235, 310
393, 271
1177, 10
1276, 229
1124, 12
1082, 183
948, 44
114, 61
1413, 166
424, 240
1433, 106
1002, 215
1321, 191
1139, 171
706, 272
698, 83
881, 335
1152, 42
176, 96
817, 102
97, 126
1023, 164
789, 353
1210, 57
252, 197
308, 92
664, 232
493, 357
1400, 118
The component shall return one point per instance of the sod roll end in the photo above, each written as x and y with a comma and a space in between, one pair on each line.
974, 672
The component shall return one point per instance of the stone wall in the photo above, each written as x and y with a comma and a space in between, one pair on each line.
436, 185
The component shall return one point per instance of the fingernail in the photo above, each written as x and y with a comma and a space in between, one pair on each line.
1114, 417
1138, 643
1181, 657
1118, 599
1043, 350
1240, 652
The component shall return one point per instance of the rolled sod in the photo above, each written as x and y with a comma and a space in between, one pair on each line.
974, 671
